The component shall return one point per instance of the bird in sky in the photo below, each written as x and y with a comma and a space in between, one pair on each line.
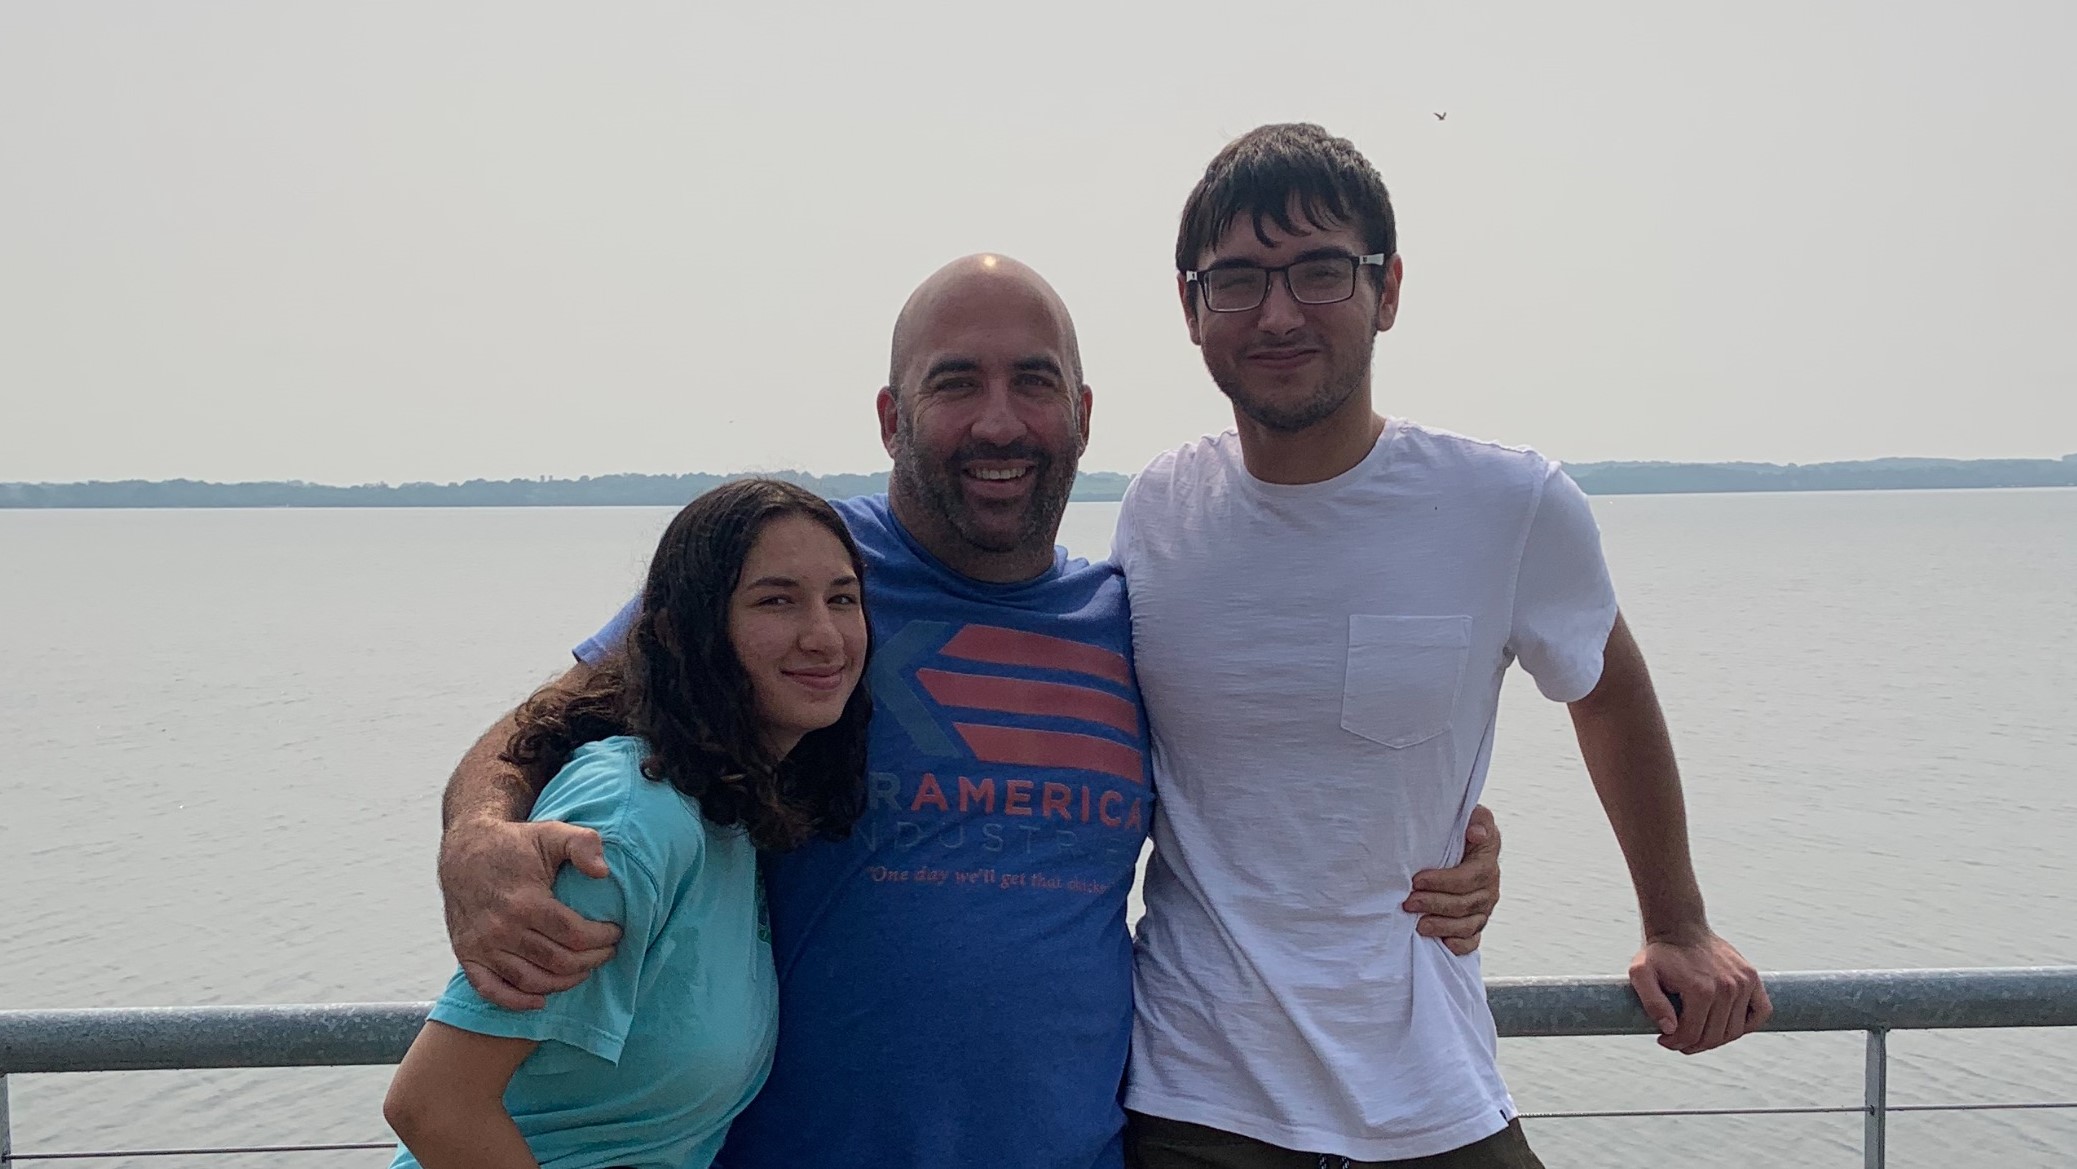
1443, 116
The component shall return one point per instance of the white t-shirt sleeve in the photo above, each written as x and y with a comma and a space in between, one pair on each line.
1564, 604
1122, 533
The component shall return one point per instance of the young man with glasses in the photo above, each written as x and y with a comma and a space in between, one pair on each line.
1324, 602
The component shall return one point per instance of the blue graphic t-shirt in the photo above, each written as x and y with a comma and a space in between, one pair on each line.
955, 980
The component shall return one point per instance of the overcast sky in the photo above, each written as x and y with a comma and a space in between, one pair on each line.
346, 242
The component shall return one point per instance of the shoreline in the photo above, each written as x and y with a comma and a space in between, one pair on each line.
642, 490
1078, 498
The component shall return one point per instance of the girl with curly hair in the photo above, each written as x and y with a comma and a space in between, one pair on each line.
734, 721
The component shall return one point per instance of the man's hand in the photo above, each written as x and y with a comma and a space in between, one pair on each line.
516, 942
1721, 996
1455, 903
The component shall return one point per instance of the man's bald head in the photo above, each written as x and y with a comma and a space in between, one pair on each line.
965, 281
985, 415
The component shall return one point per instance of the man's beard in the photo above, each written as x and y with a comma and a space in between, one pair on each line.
940, 486
1338, 383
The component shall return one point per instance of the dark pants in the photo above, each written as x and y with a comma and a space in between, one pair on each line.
1152, 1142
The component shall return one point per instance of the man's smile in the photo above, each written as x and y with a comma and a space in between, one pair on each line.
998, 479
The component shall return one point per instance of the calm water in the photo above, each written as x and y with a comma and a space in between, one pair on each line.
225, 732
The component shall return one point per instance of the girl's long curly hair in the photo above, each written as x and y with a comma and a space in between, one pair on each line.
679, 685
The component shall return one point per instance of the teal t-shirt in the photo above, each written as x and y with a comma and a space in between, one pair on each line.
647, 1061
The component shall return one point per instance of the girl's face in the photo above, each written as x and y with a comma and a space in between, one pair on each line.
797, 624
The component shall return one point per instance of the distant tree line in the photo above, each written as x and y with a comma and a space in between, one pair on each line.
589, 491
1867, 475
1097, 486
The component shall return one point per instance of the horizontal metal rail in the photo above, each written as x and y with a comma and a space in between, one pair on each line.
1872, 1001
209, 1151
186, 1038
1833, 1000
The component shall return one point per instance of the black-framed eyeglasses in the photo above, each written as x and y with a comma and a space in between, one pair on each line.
1236, 288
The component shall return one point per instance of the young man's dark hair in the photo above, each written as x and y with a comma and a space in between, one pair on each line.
1264, 172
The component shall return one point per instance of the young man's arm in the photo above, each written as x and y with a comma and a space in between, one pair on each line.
447, 1102
515, 941
1623, 738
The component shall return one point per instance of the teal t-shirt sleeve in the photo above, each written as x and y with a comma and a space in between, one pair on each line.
594, 1015
595, 790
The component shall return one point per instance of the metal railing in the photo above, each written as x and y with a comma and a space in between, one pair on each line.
1872, 1001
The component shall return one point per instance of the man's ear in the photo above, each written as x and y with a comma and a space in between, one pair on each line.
1088, 400
890, 417
1189, 308
1388, 304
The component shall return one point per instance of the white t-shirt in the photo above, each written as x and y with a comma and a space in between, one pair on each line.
1321, 666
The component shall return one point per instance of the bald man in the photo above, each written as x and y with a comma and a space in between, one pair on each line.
956, 978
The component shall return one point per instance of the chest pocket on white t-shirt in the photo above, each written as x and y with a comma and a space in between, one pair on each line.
1403, 676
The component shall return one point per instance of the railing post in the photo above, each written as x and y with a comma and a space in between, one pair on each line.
1875, 1134
6, 1133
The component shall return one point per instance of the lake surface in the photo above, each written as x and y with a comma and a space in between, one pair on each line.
225, 734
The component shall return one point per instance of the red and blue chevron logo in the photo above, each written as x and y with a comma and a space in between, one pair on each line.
1011, 697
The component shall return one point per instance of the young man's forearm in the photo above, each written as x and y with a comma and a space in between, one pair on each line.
1697, 987
1629, 754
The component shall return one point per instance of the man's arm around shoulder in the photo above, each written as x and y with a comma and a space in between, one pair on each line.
515, 941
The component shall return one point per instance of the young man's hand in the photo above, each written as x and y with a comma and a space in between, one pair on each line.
515, 941
1721, 996
1455, 903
